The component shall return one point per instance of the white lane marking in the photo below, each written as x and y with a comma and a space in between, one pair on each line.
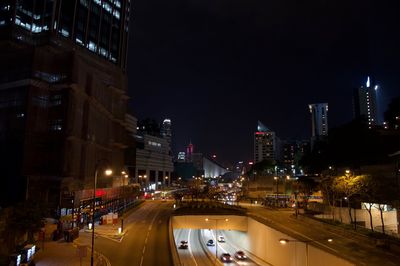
147, 236
190, 250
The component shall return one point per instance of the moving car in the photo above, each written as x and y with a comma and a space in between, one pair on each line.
221, 239
183, 245
240, 255
210, 243
226, 257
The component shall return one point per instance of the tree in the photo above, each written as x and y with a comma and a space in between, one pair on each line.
384, 193
350, 186
329, 192
26, 217
367, 195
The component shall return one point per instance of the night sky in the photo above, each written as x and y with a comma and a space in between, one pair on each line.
215, 67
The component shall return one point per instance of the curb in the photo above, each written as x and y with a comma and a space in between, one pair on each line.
175, 257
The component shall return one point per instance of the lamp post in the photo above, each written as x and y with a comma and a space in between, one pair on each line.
276, 195
106, 172
216, 235
284, 241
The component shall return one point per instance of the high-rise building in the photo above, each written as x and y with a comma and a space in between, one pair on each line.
154, 164
63, 95
365, 103
189, 152
266, 144
166, 130
319, 120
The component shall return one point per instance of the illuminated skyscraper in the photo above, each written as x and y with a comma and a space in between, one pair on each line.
365, 103
166, 130
266, 144
319, 120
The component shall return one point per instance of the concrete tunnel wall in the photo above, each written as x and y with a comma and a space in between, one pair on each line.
262, 241
234, 222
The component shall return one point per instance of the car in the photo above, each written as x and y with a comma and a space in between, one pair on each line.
183, 245
221, 239
226, 257
210, 243
240, 255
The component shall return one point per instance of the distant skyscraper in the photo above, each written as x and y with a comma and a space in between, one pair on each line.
319, 120
189, 152
265, 144
365, 103
166, 130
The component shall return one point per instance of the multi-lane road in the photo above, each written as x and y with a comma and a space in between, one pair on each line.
146, 241
199, 254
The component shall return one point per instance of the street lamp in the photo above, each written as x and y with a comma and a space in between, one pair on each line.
285, 241
216, 233
107, 172
276, 196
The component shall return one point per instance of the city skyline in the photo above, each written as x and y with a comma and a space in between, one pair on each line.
215, 69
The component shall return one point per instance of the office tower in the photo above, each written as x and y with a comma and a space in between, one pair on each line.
365, 103
166, 129
319, 120
63, 95
266, 144
189, 152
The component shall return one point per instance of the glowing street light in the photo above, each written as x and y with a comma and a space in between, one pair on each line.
107, 172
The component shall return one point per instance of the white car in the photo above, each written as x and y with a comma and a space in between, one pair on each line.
221, 239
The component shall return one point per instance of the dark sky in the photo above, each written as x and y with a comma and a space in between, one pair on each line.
215, 67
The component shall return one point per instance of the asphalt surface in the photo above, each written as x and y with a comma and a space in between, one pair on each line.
354, 247
198, 254
146, 242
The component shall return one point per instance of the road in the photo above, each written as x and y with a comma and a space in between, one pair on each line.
146, 242
196, 253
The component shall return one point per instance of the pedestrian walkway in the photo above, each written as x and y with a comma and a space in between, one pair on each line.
57, 253
62, 253
108, 231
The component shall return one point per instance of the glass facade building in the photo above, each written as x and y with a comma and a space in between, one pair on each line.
100, 26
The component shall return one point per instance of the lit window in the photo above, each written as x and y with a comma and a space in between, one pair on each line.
64, 32
92, 46
116, 14
56, 125
79, 41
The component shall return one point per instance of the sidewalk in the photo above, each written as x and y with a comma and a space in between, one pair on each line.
108, 231
61, 253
